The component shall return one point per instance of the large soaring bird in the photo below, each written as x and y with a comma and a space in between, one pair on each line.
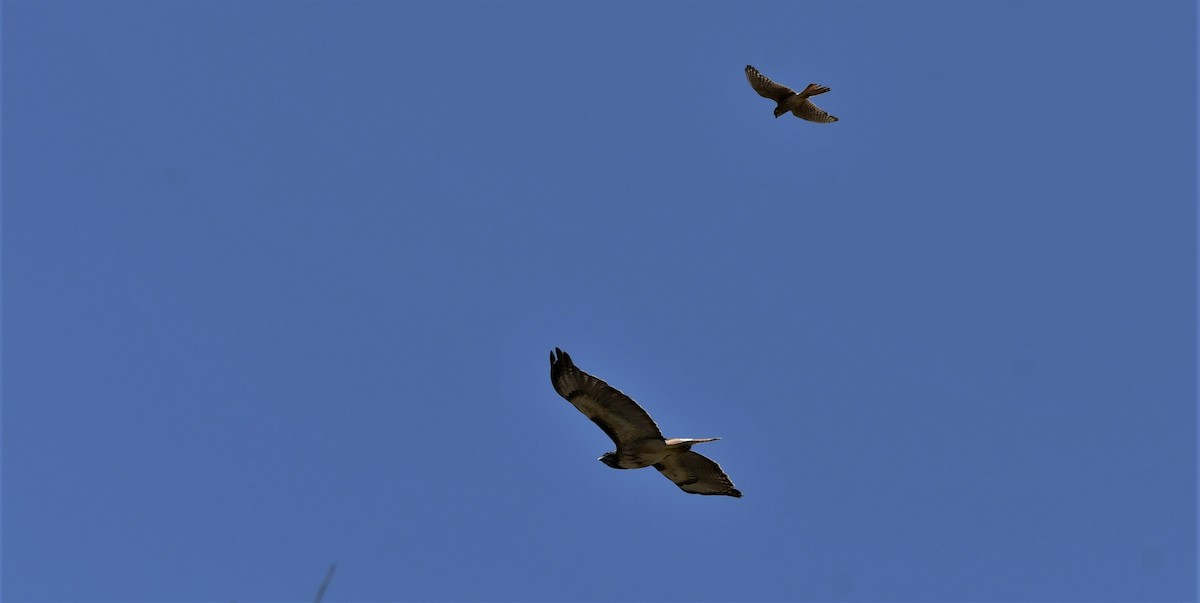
787, 99
639, 442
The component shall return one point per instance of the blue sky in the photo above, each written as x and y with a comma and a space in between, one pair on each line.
280, 281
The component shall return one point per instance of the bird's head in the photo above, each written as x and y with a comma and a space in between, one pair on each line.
779, 111
610, 459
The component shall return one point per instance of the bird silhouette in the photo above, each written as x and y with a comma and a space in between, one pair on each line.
787, 99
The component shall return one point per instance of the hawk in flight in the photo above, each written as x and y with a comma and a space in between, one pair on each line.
787, 98
639, 442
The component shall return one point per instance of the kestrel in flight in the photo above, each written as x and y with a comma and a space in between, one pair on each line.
787, 98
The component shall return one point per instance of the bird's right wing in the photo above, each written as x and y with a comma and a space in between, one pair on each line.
765, 87
695, 473
617, 414
808, 111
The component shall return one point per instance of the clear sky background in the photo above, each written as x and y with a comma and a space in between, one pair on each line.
281, 280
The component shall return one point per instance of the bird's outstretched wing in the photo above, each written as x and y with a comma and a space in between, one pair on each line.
806, 110
765, 87
617, 414
695, 473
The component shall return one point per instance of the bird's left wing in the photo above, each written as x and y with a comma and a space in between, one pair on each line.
765, 87
617, 414
695, 473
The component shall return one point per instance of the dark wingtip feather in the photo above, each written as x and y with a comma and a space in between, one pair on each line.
563, 357
558, 356
559, 362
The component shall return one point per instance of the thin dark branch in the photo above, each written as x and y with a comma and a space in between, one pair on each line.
325, 583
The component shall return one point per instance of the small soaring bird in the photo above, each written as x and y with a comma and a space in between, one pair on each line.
787, 98
639, 442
